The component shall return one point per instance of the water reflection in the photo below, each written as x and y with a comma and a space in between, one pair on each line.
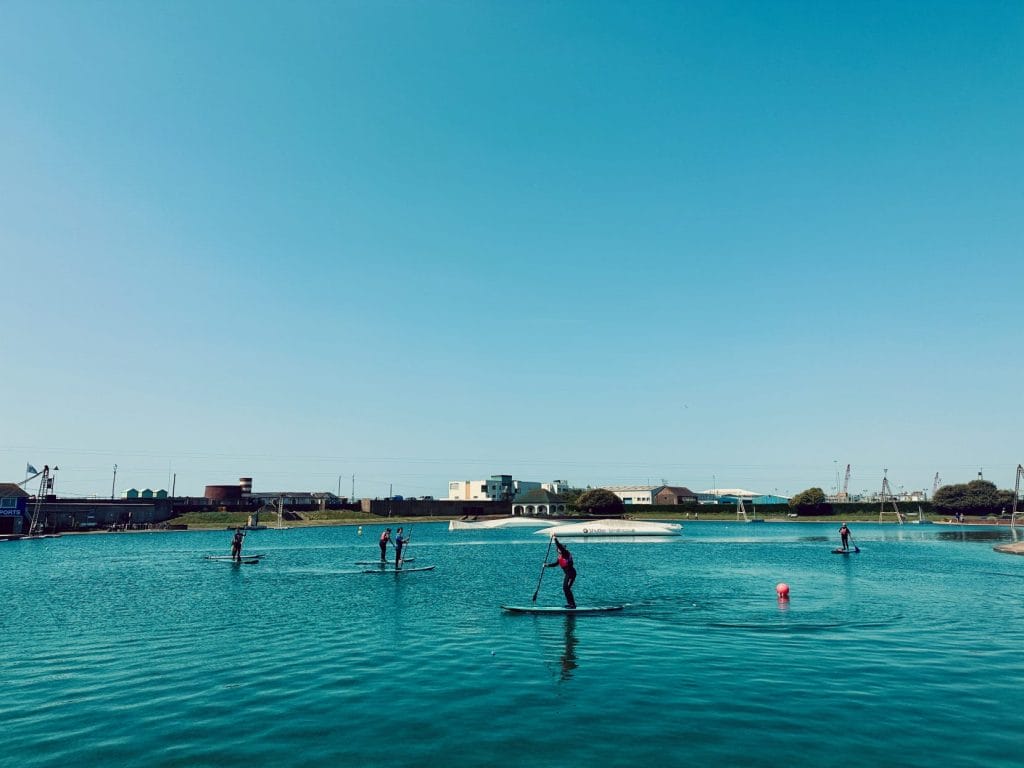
568, 660
977, 536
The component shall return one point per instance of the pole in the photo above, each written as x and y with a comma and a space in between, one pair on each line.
113, 483
174, 484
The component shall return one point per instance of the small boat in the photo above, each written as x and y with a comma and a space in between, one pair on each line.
613, 528
519, 521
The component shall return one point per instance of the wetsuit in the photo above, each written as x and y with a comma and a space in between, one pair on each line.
564, 561
384, 539
844, 535
399, 543
236, 545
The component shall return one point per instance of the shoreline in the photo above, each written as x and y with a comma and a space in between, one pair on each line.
383, 522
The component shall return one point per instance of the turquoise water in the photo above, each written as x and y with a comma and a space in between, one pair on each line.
131, 650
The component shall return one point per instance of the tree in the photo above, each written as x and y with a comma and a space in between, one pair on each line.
978, 497
598, 501
811, 502
570, 495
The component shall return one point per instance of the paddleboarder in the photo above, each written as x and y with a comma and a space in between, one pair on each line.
564, 561
236, 545
844, 535
399, 542
384, 539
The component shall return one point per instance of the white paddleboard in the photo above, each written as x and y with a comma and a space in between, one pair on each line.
400, 570
386, 562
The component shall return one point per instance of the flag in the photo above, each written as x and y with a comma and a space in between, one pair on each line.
30, 470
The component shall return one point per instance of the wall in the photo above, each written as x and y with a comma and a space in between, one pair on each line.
74, 514
435, 508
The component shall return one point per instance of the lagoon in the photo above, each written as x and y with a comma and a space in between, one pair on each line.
131, 650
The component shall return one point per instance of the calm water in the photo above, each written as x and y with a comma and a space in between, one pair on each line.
131, 650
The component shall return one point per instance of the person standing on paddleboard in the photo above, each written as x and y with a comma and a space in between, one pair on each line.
384, 539
236, 545
844, 535
399, 543
564, 561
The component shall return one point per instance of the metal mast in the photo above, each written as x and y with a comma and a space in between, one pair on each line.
887, 496
1016, 495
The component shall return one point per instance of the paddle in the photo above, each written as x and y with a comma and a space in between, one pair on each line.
855, 547
542, 569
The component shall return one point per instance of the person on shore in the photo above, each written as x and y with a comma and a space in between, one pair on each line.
236, 545
564, 561
844, 535
384, 539
400, 542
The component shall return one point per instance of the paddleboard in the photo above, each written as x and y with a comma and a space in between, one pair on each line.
845, 551
559, 609
386, 562
228, 557
243, 561
401, 570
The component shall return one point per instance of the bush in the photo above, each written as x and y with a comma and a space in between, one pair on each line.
811, 502
598, 501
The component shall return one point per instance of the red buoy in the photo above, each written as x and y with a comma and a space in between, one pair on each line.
782, 590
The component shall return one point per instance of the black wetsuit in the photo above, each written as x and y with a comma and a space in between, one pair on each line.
565, 561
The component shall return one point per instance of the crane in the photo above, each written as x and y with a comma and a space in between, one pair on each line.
935, 484
846, 484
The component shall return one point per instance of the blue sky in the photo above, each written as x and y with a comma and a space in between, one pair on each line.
712, 243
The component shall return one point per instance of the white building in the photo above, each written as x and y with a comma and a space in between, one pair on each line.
556, 486
495, 488
634, 494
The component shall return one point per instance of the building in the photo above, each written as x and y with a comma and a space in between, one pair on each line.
671, 494
556, 486
495, 488
539, 502
634, 494
725, 496
770, 498
733, 496
13, 510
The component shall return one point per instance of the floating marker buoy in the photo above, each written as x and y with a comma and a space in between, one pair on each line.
782, 590
360, 530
